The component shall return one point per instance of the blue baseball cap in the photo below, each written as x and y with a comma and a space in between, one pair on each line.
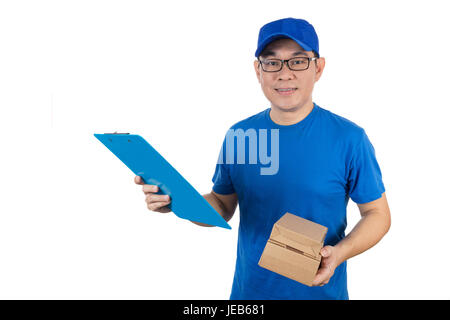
299, 30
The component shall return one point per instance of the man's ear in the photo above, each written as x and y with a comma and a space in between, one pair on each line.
319, 67
258, 72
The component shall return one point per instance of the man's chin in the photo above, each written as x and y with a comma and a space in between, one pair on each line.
288, 108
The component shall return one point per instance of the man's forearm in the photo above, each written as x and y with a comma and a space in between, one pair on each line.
367, 232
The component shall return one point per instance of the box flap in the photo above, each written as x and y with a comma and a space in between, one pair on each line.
289, 263
299, 233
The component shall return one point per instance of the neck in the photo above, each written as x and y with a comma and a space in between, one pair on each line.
290, 116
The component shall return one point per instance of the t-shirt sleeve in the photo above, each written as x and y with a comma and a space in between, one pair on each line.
221, 178
365, 182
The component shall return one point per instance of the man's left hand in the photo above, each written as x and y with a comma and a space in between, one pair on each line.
327, 265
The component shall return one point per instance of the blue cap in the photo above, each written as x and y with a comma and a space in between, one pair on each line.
299, 30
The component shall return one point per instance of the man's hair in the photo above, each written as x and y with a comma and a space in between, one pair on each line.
264, 53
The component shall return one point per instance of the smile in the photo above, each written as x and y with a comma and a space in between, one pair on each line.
286, 91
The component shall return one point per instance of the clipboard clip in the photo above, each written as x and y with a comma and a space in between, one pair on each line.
118, 133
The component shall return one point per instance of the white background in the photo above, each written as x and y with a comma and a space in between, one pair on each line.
73, 225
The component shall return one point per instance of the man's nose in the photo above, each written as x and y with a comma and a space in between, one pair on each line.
285, 72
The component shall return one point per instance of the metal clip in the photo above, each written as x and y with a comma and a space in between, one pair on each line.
118, 133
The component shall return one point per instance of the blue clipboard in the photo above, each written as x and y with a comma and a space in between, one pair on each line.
141, 158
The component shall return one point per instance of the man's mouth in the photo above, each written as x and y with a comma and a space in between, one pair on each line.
285, 91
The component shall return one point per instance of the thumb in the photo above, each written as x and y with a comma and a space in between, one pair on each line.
138, 180
325, 251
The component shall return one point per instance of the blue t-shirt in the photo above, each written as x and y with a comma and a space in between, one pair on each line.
322, 161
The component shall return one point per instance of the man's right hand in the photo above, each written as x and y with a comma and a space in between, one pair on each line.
155, 202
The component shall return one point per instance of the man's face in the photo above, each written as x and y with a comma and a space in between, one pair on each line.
301, 81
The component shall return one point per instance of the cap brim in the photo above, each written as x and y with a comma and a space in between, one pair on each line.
276, 36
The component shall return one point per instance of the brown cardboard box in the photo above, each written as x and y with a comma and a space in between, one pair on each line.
293, 248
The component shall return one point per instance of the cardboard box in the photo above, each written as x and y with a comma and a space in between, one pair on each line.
293, 249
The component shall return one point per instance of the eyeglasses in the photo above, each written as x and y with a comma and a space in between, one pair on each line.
294, 64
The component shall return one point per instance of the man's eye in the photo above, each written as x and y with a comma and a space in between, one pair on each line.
297, 62
271, 63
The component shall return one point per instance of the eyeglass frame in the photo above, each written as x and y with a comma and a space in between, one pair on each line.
287, 63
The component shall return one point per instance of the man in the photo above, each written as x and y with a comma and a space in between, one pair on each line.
324, 160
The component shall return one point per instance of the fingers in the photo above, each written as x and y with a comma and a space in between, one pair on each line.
149, 188
326, 270
158, 206
324, 274
158, 202
155, 202
322, 277
138, 180
151, 197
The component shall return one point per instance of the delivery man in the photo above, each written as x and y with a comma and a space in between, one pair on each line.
323, 160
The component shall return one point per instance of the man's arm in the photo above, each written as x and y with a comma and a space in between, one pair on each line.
374, 224
225, 204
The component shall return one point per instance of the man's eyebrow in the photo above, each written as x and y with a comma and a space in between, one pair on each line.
272, 53
299, 53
